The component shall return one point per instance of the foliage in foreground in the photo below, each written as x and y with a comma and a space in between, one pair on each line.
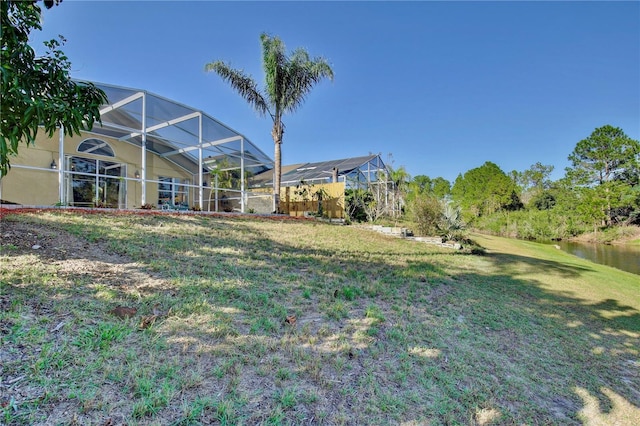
37, 91
386, 330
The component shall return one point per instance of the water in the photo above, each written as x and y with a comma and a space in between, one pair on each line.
622, 257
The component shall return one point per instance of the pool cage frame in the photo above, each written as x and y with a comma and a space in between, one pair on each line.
187, 137
366, 172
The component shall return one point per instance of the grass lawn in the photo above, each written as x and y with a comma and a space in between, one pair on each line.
257, 321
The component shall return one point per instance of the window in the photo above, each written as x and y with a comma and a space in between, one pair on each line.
96, 147
173, 191
95, 183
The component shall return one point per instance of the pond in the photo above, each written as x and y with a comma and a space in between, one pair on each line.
623, 257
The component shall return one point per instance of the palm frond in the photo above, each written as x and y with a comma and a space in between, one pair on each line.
302, 74
274, 61
242, 83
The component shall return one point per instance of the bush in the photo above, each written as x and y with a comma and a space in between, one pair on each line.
426, 212
356, 200
544, 201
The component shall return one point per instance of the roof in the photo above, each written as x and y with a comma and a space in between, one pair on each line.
175, 131
315, 172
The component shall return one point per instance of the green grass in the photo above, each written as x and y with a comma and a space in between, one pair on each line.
387, 331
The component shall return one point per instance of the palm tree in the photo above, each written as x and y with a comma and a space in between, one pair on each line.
288, 80
400, 179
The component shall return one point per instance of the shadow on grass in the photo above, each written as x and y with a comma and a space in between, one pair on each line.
381, 335
615, 314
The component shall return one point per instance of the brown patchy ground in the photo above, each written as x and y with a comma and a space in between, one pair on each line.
325, 345
73, 256
73, 259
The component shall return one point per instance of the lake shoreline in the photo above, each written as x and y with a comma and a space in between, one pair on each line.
630, 236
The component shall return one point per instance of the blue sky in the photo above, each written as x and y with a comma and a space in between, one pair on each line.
442, 86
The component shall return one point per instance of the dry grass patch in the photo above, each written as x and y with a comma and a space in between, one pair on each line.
386, 331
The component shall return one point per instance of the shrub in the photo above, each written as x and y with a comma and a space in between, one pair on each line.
356, 200
426, 212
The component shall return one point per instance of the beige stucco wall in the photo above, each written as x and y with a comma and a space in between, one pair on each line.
40, 187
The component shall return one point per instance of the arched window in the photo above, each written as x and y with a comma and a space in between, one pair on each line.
96, 147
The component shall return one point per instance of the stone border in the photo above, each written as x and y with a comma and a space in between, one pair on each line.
408, 234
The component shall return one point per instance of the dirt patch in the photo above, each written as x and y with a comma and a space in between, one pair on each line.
73, 256
72, 260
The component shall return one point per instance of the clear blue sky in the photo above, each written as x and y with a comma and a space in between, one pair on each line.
442, 86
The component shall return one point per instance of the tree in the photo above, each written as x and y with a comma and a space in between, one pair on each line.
227, 176
441, 187
536, 177
288, 80
485, 190
399, 178
421, 184
38, 90
606, 161
534, 183
604, 156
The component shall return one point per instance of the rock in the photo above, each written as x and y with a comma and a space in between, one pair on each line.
36, 247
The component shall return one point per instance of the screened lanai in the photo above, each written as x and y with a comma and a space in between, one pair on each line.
355, 172
184, 136
333, 179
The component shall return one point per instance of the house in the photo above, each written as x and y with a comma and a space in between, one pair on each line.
148, 151
320, 188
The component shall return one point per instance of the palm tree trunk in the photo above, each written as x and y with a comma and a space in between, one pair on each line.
276, 133
277, 176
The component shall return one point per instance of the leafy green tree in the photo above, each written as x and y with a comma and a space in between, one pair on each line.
537, 176
288, 81
544, 201
399, 176
534, 183
606, 162
485, 190
37, 90
421, 184
441, 187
